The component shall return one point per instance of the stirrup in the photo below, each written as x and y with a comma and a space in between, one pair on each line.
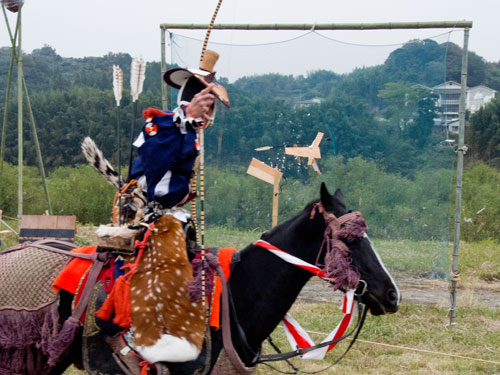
161, 369
123, 356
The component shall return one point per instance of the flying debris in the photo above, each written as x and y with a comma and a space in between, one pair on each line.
311, 153
13, 5
264, 148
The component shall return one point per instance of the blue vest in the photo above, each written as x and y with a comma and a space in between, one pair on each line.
166, 158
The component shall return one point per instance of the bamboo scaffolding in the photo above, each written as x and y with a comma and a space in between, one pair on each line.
465, 25
22, 88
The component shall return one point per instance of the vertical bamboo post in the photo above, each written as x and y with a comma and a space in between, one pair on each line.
458, 189
37, 146
5, 111
19, 120
9, 81
164, 89
30, 113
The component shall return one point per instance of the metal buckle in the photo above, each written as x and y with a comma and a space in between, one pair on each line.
363, 290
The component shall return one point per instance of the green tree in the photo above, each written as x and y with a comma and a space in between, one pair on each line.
484, 133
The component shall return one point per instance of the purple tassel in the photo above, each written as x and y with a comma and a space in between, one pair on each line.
339, 266
356, 229
65, 338
194, 286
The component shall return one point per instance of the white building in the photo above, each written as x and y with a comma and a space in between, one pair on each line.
449, 98
479, 96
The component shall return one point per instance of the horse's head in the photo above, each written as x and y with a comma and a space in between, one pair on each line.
382, 294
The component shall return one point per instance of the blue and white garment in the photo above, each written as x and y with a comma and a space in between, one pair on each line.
167, 147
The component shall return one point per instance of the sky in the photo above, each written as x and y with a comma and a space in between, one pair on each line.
78, 28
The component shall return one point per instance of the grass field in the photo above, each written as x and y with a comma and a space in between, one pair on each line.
415, 340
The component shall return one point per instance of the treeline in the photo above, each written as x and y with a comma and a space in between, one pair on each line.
375, 112
395, 207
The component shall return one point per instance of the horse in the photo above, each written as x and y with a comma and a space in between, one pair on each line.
263, 287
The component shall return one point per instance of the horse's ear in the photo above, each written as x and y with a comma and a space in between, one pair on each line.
326, 198
333, 203
339, 202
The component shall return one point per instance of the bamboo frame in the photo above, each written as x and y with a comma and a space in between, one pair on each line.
22, 89
331, 26
465, 25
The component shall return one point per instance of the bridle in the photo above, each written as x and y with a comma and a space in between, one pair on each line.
333, 233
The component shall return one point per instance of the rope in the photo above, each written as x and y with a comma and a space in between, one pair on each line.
314, 31
419, 350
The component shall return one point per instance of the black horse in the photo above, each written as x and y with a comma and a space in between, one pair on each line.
264, 287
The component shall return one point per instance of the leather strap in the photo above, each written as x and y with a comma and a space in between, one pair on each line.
227, 341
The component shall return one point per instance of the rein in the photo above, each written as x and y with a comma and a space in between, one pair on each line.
307, 347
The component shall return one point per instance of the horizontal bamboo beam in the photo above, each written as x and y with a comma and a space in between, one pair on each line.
332, 26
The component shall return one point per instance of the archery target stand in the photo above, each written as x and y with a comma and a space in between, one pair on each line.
270, 175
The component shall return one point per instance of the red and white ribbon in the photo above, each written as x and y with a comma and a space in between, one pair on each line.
296, 335
291, 259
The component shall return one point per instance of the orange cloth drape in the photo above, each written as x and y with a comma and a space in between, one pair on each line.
225, 257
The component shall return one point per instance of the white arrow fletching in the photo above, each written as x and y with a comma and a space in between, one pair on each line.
117, 84
137, 77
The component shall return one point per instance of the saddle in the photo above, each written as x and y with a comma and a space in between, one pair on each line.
159, 305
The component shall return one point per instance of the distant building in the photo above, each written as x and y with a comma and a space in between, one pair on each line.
449, 98
479, 96
453, 126
307, 103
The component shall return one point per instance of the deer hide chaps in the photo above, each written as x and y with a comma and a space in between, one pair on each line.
167, 325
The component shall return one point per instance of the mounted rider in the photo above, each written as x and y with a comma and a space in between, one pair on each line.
168, 143
168, 148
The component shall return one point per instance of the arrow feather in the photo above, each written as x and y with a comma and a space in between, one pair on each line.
117, 84
137, 77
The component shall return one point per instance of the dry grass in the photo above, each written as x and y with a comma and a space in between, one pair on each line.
415, 327
416, 340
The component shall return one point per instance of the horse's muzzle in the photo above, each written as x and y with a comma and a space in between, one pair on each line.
387, 304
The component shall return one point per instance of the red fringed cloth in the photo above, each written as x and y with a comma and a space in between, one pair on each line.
74, 276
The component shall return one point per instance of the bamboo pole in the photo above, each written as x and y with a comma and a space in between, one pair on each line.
164, 93
7, 94
5, 111
37, 145
30, 113
331, 26
458, 189
19, 120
